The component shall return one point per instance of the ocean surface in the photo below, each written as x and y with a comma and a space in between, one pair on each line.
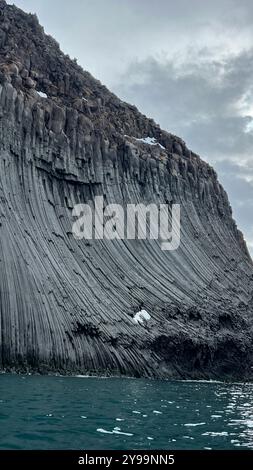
97, 413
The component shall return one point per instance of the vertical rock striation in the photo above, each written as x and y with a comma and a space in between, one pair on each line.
68, 305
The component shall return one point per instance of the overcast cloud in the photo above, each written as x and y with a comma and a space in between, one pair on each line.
188, 64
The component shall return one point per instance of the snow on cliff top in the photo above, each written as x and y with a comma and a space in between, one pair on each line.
150, 141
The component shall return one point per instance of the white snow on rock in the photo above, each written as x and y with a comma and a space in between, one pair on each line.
150, 141
41, 94
141, 316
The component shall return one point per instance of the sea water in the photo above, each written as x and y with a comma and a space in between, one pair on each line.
45, 412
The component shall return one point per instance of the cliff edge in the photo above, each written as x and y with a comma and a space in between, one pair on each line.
66, 305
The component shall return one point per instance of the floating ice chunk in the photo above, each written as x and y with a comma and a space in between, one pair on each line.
157, 412
42, 94
141, 316
150, 141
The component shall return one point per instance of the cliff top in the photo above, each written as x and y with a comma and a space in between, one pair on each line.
34, 61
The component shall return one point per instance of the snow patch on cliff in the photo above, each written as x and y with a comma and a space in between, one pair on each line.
141, 316
42, 94
150, 141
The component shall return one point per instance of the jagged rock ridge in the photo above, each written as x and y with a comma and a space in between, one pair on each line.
67, 305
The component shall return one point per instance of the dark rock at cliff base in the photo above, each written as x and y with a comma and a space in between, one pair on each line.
67, 305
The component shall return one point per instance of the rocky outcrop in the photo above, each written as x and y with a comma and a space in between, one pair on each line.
68, 305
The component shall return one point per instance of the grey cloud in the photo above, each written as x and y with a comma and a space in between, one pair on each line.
233, 178
201, 103
106, 35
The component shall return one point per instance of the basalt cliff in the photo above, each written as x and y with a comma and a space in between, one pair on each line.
67, 305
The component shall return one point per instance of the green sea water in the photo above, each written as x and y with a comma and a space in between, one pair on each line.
41, 412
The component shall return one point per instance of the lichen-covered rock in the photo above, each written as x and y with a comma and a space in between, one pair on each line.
68, 305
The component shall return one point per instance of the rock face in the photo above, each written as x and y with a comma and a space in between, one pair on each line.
68, 305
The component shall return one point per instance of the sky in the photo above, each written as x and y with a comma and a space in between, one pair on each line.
187, 64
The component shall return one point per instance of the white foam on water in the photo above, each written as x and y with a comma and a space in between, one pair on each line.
194, 424
122, 433
82, 376
114, 431
79, 376
201, 381
104, 431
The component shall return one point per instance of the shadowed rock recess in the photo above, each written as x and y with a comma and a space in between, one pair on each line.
67, 306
